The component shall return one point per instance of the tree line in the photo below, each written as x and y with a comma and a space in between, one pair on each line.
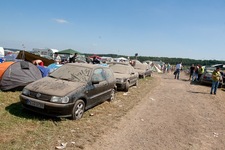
172, 61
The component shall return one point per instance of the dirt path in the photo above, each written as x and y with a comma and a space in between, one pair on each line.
175, 115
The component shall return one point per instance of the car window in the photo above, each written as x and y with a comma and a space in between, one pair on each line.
108, 74
98, 75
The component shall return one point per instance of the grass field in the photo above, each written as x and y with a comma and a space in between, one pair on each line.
21, 129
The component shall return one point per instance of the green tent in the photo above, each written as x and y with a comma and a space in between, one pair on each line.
68, 51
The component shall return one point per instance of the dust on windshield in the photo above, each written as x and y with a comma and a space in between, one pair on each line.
123, 69
72, 73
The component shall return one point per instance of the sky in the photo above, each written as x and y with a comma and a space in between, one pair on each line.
192, 29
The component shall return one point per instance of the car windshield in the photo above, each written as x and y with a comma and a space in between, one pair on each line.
123, 69
72, 73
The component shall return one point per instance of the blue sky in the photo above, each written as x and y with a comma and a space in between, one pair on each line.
162, 28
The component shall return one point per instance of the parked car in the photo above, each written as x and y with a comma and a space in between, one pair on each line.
70, 90
143, 70
125, 75
206, 77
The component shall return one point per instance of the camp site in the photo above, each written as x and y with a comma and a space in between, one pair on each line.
112, 75
28, 82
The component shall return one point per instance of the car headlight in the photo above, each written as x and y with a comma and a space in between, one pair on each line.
57, 99
26, 92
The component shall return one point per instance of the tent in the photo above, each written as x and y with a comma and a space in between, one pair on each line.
31, 57
68, 51
15, 75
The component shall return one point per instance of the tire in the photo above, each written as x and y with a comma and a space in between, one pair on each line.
127, 86
112, 95
136, 84
144, 76
78, 110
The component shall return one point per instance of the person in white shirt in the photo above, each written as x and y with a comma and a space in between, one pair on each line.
57, 59
177, 72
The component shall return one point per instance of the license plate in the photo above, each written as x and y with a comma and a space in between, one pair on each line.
35, 104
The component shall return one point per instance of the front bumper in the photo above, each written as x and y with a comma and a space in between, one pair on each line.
121, 86
46, 108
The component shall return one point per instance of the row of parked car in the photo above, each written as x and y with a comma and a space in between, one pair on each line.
76, 87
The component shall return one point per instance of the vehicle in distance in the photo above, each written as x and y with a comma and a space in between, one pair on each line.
142, 69
206, 77
70, 90
125, 75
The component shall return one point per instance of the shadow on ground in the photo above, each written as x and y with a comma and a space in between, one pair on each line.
16, 109
196, 92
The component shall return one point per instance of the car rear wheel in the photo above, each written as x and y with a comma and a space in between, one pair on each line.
127, 85
144, 76
78, 110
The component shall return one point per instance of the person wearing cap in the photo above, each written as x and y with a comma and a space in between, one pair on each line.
216, 76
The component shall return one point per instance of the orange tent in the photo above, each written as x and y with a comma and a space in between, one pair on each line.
3, 67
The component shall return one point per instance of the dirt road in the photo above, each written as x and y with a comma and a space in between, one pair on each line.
175, 115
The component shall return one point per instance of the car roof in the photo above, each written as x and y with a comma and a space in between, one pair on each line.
119, 63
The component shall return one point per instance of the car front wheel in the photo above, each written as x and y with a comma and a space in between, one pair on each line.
78, 110
127, 86
112, 95
136, 83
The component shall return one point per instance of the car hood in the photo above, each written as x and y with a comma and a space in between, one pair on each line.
119, 75
52, 86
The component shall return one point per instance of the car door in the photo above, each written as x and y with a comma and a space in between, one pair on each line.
98, 87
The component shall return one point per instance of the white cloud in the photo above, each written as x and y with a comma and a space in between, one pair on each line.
61, 21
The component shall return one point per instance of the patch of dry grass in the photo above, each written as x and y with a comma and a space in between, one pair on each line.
22, 129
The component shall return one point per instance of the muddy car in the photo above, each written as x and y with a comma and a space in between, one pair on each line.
70, 90
125, 75
143, 70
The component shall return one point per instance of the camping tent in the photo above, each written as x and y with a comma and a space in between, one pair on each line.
17, 74
68, 51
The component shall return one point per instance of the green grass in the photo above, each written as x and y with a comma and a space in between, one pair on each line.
21, 129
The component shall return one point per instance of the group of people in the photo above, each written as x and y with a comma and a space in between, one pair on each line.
197, 71
74, 59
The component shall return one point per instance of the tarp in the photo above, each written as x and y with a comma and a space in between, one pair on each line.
96, 56
19, 74
68, 51
53, 67
31, 57
44, 71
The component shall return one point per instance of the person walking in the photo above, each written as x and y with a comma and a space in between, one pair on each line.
177, 72
216, 77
